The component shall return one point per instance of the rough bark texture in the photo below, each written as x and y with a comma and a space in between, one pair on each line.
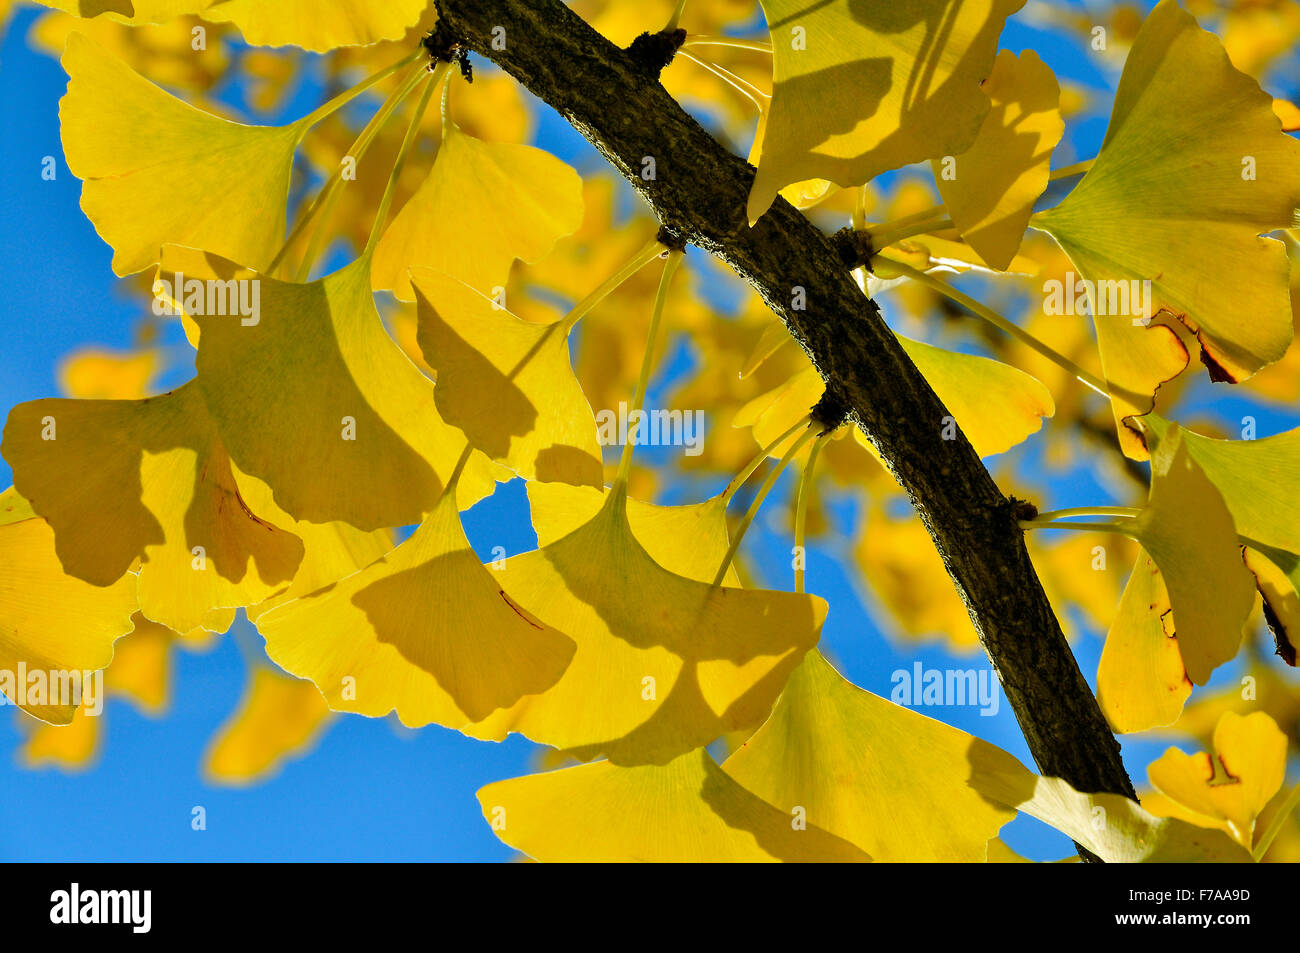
699, 191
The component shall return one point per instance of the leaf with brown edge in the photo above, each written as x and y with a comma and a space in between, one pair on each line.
147, 483
1229, 787
1193, 169
1188, 530
1141, 679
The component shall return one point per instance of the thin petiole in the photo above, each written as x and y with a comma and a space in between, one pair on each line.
412, 133
759, 46
676, 17
1125, 511
999, 322
322, 199
1275, 826
675, 257
1124, 528
801, 512
1068, 171
342, 99
739, 479
757, 504
652, 250
892, 236
746, 89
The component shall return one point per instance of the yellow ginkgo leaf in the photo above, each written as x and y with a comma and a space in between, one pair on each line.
156, 170
468, 651
142, 665
71, 747
1230, 787
280, 718
990, 189
1111, 826
134, 12
317, 25
889, 780
662, 666
331, 551
1258, 479
51, 622
1141, 680
861, 88
483, 205
1277, 577
688, 811
100, 374
692, 538
147, 482
1194, 167
314, 377
507, 383
1189, 532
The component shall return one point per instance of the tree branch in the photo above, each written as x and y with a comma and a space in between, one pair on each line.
699, 191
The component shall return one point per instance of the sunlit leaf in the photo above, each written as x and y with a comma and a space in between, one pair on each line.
1189, 532
993, 186
279, 718
662, 666
1193, 169
686, 811
316, 378
50, 621
861, 88
483, 205
1141, 680
507, 383
147, 482
887, 779
156, 170
1230, 787
317, 25
469, 650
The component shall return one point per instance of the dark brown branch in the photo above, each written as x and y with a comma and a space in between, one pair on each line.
698, 190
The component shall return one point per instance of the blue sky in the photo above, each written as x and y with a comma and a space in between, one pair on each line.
372, 790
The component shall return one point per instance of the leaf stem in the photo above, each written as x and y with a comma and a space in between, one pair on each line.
801, 512
1276, 824
759, 497
745, 88
412, 133
1127, 511
1124, 528
675, 257
999, 322
358, 149
342, 99
701, 39
739, 479
1068, 171
905, 229
648, 253
676, 17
